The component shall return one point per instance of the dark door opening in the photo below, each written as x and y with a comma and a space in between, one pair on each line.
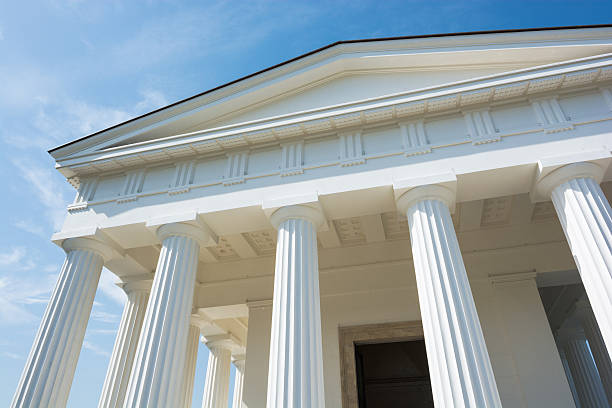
391, 375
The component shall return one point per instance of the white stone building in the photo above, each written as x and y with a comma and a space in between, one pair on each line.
384, 222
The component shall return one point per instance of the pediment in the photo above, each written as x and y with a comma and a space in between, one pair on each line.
341, 89
345, 88
339, 78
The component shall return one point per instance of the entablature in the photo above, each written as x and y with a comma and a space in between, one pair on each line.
486, 139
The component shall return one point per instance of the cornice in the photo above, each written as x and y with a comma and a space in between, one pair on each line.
439, 100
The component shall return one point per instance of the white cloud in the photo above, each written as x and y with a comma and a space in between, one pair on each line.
109, 288
15, 255
47, 188
50, 268
16, 259
31, 227
96, 349
151, 100
103, 331
17, 293
104, 317
53, 121
14, 356
218, 27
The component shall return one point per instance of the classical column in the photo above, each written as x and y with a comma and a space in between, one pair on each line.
160, 356
295, 375
120, 366
596, 344
586, 218
584, 373
238, 381
216, 387
191, 357
49, 370
459, 365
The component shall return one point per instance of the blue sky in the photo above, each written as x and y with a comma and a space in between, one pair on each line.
69, 68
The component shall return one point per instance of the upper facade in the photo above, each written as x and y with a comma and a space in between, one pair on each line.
349, 126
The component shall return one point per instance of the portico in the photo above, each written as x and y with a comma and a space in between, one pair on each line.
423, 180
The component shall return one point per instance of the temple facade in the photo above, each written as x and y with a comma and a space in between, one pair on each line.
415, 221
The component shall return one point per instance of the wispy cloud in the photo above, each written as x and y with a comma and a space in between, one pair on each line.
14, 356
108, 286
18, 292
47, 188
95, 349
104, 317
219, 27
16, 258
14, 255
32, 227
103, 331
58, 120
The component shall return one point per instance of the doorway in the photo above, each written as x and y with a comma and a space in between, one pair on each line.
393, 375
385, 363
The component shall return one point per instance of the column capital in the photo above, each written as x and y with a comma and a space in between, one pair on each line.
570, 333
582, 307
107, 252
547, 182
142, 285
225, 341
422, 193
298, 211
239, 360
187, 224
200, 233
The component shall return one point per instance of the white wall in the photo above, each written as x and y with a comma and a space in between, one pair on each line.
258, 350
527, 367
532, 346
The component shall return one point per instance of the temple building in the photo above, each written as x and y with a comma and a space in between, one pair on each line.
413, 221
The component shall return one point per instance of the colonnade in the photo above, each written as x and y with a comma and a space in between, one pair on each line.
155, 367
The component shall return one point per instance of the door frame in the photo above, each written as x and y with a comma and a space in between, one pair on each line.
368, 334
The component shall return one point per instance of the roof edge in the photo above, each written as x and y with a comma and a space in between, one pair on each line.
334, 44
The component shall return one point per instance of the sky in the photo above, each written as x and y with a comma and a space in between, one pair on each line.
70, 68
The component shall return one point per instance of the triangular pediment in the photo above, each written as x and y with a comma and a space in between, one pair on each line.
348, 87
341, 89
341, 77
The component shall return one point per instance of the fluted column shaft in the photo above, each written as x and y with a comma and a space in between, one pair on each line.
238, 382
160, 356
459, 365
216, 387
568, 374
596, 344
49, 370
295, 375
122, 359
586, 218
584, 373
191, 357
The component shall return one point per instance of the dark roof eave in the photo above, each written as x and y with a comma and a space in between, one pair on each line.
516, 30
